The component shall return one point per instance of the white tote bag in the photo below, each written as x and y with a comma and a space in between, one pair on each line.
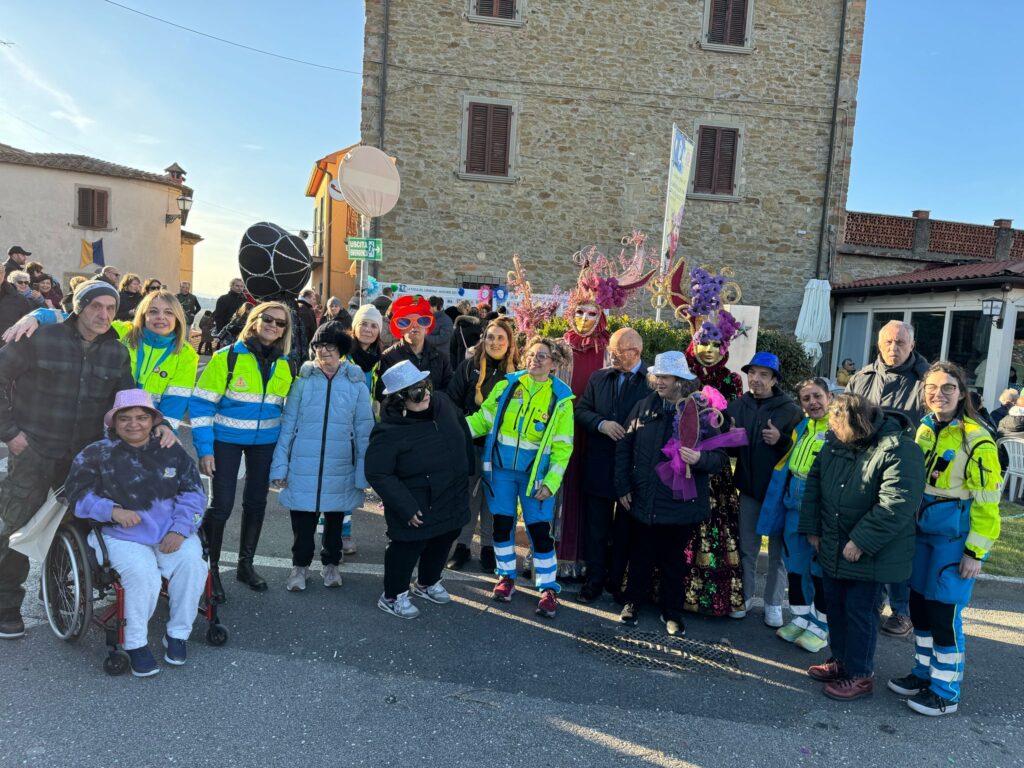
34, 538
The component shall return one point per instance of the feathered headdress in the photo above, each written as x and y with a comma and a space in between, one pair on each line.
529, 313
606, 283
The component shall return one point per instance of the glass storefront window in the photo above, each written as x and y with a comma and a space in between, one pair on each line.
878, 319
969, 333
928, 326
852, 336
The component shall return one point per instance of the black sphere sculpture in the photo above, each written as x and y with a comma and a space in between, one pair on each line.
275, 264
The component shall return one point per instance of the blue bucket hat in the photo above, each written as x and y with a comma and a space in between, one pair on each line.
767, 360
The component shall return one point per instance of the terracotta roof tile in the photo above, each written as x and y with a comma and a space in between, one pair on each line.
932, 275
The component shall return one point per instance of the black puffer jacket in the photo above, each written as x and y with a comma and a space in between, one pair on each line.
466, 332
896, 388
422, 464
756, 460
431, 361
638, 453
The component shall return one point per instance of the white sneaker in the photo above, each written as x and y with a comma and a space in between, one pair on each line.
743, 612
348, 547
773, 615
296, 579
401, 606
332, 578
435, 593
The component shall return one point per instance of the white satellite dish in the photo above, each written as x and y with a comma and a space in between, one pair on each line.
370, 181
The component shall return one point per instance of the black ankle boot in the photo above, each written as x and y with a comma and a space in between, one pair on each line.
460, 556
248, 539
488, 562
213, 532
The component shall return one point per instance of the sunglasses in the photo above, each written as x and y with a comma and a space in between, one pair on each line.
274, 321
417, 392
21, 282
406, 322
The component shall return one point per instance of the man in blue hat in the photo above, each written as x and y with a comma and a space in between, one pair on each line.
768, 415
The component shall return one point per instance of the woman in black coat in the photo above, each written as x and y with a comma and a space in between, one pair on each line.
418, 461
662, 521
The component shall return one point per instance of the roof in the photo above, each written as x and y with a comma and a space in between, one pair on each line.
984, 273
83, 164
191, 237
316, 176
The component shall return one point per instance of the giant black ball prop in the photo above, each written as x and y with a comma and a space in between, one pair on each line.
273, 261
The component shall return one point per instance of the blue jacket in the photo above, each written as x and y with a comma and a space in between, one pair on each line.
324, 432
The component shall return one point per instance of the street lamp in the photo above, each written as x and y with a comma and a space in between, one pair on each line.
184, 206
993, 309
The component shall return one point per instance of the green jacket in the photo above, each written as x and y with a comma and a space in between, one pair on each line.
868, 493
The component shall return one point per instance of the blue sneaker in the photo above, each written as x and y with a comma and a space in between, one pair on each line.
142, 662
177, 650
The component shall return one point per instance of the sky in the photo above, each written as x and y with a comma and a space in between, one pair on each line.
940, 118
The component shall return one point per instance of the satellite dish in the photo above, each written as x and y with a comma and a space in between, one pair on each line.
334, 190
369, 180
273, 261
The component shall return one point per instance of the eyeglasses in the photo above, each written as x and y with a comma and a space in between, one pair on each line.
538, 356
332, 348
21, 282
406, 322
274, 321
946, 389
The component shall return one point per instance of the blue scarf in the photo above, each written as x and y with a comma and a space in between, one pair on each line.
156, 341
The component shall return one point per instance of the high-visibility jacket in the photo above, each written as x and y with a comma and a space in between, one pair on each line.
962, 483
808, 437
529, 428
241, 411
168, 376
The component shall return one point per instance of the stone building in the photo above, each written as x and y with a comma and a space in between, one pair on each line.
538, 127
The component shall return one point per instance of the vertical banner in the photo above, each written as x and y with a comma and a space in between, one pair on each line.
679, 167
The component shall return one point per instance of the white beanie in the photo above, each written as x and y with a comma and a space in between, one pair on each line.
370, 314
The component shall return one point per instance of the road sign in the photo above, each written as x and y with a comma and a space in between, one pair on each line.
365, 249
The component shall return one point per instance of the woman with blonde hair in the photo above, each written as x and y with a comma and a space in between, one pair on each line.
236, 410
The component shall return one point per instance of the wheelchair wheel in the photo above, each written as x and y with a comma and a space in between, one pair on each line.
67, 584
116, 663
216, 634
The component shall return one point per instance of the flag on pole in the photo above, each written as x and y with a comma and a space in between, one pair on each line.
92, 253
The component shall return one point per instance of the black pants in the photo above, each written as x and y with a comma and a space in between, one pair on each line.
227, 458
206, 344
935, 617
605, 541
29, 478
662, 546
798, 595
304, 541
401, 557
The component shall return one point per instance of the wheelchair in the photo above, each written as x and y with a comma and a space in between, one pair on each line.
76, 585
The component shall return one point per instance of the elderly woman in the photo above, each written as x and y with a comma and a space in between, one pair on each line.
236, 410
859, 503
662, 519
23, 285
130, 288
956, 527
528, 422
418, 461
471, 384
150, 501
318, 461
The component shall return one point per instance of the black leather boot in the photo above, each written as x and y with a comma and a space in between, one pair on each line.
214, 533
248, 539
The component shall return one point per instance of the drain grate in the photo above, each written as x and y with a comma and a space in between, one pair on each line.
655, 650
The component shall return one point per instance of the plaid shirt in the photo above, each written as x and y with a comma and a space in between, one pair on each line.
56, 389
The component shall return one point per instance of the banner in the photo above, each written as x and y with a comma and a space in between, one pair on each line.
92, 253
679, 168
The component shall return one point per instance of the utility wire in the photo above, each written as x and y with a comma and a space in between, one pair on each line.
231, 42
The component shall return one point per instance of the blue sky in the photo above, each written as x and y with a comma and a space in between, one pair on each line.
940, 121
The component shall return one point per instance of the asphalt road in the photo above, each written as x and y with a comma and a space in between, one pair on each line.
324, 677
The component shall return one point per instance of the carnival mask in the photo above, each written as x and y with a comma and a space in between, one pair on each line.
586, 318
708, 353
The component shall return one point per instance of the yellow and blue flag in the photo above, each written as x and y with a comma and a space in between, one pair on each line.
92, 253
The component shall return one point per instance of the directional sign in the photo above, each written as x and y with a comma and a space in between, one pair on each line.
365, 249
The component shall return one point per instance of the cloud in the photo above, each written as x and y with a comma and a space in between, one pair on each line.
66, 110
251, 147
146, 139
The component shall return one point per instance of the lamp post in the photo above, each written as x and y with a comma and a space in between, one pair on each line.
184, 206
993, 309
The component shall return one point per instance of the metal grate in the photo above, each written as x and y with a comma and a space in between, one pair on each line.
656, 650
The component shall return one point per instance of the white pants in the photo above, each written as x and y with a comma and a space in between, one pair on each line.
141, 568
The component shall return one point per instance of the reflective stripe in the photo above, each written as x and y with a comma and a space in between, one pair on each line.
562, 439
175, 423
202, 421
556, 469
527, 445
253, 424
243, 397
977, 540
274, 400
205, 394
946, 658
925, 641
946, 675
987, 497
947, 493
178, 391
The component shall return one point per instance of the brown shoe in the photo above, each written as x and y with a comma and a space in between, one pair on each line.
827, 672
897, 626
849, 689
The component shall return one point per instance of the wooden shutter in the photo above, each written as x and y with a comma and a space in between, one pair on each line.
501, 9
100, 209
497, 143
489, 134
85, 207
728, 23
476, 149
715, 173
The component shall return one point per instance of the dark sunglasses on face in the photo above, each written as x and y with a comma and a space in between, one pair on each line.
420, 320
273, 320
417, 392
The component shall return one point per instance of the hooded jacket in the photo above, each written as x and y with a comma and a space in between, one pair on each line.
868, 493
896, 388
756, 461
430, 360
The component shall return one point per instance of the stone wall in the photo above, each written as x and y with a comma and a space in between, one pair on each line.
598, 89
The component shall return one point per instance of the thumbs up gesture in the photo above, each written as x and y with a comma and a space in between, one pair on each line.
770, 434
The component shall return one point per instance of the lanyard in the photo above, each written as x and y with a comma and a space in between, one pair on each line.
140, 356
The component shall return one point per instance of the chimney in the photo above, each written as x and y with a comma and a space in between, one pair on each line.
921, 214
1003, 223
175, 173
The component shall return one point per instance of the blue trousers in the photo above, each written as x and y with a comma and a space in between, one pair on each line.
853, 624
507, 493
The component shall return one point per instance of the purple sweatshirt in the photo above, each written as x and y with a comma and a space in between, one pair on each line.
162, 485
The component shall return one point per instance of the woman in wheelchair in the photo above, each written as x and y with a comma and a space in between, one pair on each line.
150, 502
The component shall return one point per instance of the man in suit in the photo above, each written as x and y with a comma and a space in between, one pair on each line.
610, 395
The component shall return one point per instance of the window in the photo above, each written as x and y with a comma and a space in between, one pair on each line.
727, 25
93, 208
506, 12
968, 342
852, 338
488, 139
929, 325
717, 154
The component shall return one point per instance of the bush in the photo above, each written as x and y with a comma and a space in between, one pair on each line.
793, 361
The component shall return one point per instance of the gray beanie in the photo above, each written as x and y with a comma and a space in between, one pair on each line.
93, 289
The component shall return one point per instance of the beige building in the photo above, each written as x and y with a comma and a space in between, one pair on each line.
49, 203
537, 127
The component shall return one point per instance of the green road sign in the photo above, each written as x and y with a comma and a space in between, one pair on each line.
365, 249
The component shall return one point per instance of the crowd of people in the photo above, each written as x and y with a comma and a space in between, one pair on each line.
655, 484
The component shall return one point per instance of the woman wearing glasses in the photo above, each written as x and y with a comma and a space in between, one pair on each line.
412, 319
236, 410
528, 422
418, 461
956, 527
13, 305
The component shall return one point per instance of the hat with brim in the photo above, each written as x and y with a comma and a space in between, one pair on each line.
130, 398
402, 376
767, 360
671, 364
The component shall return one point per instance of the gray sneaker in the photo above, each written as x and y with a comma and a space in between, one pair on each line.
401, 606
297, 579
435, 593
331, 576
348, 547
